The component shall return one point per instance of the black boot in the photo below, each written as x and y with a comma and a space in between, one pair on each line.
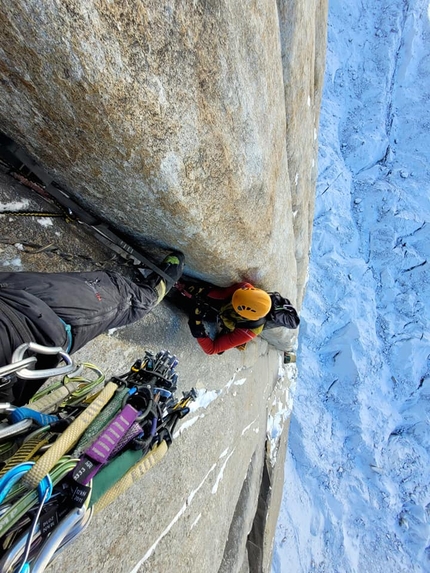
173, 266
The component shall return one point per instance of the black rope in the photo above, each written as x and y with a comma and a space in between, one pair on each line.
32, 214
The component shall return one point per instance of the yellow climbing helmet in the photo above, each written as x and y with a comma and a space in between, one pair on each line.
252, 303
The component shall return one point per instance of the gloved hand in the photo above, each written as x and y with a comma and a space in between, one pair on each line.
197, 330
196, 326
198, 291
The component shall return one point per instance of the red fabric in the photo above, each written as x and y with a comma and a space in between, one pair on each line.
223, 293
231, 339
226, 341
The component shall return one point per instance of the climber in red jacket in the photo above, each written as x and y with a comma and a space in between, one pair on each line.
237, 313
239, 310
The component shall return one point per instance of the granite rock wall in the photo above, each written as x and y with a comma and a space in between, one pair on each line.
190, 124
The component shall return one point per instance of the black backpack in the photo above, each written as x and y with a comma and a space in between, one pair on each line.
282, 313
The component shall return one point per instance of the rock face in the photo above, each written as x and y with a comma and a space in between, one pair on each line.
177, 121
212, 502
303, 37
190, 125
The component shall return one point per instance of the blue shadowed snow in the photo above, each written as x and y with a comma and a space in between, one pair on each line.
357, 489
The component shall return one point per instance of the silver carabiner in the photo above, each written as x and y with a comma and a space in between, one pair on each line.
10, 560
8, 431
77, 530
56, 538
11, 430
11, 368
27, 374
6, 407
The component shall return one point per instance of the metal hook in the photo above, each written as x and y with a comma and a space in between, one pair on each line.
27, 374
8, 431
10, 560
67, 526
26, 566
11, 477
17, 365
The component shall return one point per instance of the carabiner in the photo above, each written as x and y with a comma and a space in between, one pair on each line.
17, 365
6, 407
3, 509
163, 393
10, 478
8, 431
63, 529
26, 374
147, 401
78, 529
10, 560
21, 420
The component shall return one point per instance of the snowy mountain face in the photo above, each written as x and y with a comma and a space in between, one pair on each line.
357, 493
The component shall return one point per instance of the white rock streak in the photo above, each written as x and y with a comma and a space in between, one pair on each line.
248, 426
174, 520
221, 473
203, 400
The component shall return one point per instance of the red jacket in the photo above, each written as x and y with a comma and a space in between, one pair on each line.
231, 339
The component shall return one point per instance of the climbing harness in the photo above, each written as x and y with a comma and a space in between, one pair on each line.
78, 444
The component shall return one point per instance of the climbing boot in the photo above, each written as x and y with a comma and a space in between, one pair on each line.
173, 266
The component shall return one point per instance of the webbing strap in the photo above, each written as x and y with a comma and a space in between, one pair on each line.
26, 501
7, 449
20, 414
68, 438
134, 474
100, 422
113, 472
102, 448
134, 432
49, 401
25, 453
251, 323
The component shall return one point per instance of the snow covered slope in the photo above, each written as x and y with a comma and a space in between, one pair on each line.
357, 491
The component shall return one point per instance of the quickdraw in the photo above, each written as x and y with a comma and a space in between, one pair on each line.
85, 442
